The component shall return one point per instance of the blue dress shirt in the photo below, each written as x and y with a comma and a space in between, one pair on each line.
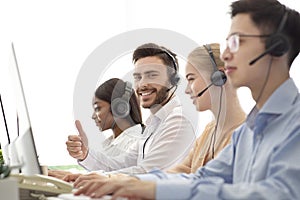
262, 162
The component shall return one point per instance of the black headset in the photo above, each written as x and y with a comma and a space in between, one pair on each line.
120, 106
277, 44
174, 79
218, 77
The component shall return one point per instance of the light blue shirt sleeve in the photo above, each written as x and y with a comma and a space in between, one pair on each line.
185, 186
280, 181
262, 161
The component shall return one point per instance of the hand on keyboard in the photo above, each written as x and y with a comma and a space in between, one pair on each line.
71, 196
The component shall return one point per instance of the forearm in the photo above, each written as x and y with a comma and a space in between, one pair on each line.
97, 160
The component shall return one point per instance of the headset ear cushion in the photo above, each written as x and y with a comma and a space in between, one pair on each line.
281, 48
120, 108
174, 79
218, 78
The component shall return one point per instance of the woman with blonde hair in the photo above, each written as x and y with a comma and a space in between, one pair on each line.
209, 90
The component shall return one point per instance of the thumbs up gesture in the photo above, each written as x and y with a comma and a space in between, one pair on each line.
77, 145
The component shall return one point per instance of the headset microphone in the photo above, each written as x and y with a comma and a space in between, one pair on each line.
283, 45
218, 77
204, 90
167, 90
277, 44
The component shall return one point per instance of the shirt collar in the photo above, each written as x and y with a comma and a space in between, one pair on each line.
164, 111
133, 130
285, 96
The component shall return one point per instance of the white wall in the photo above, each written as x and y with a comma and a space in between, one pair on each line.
54, 38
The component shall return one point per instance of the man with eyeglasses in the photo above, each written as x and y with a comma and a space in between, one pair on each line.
263, 161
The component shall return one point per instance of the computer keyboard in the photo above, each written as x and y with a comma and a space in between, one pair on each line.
71, 196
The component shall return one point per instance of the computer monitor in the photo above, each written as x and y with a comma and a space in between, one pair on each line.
24, 144
27, 154
9, 150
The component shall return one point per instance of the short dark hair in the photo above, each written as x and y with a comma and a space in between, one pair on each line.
115, 88
167, 56
267, 15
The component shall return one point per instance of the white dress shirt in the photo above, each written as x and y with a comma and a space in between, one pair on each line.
167, 140
116, 153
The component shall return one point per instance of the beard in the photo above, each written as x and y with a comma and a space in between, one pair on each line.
161, 97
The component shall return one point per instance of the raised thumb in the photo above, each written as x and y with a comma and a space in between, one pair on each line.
81, 132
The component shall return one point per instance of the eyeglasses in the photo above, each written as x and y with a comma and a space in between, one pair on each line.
233, 41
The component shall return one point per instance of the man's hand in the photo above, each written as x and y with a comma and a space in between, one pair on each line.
77, 145
126, 186
71, 177
82, 179
60, 174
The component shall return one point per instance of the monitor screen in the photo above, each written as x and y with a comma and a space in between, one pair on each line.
25, 146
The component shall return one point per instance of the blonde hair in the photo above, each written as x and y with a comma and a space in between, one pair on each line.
200, 58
